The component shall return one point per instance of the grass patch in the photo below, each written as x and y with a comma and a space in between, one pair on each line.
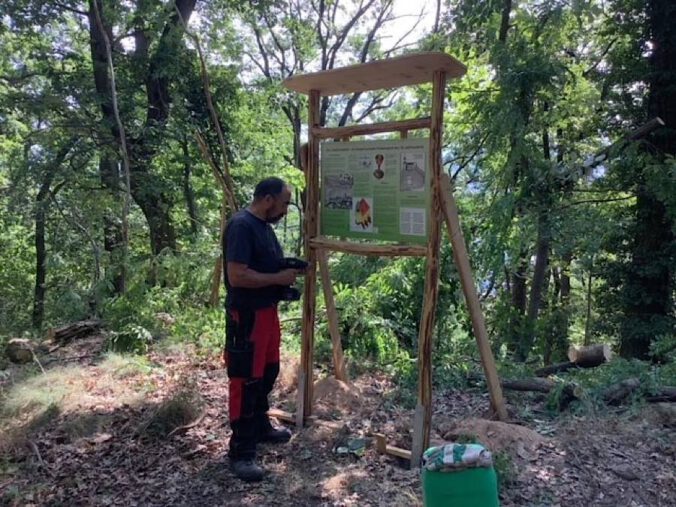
121, 366
36, 393
505, 469
67, 395
181, 409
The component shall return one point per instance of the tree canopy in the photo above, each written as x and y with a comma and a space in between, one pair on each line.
130, 130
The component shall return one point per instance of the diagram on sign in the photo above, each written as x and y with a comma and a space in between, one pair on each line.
379, 173
362, 215
338, 190
412, 175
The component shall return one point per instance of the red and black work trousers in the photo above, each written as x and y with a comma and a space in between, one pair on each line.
252, 340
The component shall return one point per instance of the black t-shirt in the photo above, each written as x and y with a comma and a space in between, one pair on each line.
251, 241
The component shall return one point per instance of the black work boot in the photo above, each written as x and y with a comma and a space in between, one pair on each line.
246, 469
274, 435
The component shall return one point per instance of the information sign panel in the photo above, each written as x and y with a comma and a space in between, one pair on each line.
378, 190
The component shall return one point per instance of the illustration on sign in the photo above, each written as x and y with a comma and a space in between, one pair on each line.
375, 189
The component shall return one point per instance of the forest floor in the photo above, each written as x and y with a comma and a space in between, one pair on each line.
94, 429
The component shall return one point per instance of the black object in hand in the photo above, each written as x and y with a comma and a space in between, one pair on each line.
292, 263
290, 293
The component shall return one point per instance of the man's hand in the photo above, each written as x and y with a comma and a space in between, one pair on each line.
287, 276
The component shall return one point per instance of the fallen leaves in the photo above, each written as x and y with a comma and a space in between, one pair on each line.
584, 461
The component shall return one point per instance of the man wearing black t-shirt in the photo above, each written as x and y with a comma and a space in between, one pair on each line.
253, 279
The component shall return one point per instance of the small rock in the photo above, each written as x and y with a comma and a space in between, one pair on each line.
625, 472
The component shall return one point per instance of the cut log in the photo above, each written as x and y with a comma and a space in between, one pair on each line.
666, 413
569, 392
661, 394
538, 385
617, 393
590, 356
76, 330
580, 357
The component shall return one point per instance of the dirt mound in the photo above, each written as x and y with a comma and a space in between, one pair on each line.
495, 435
287, 382
333, 394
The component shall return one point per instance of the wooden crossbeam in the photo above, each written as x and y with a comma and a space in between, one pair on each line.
376, 249
282, 415
370, 128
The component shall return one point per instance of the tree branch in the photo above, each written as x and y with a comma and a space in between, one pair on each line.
596, 201
600, 59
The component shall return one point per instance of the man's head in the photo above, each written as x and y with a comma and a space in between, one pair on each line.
271, 199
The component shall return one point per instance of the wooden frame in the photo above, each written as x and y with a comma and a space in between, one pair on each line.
392, 73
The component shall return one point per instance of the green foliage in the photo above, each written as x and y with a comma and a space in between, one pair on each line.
596, 380
505, 469
15, 278
136, 317
131, 338
663, 348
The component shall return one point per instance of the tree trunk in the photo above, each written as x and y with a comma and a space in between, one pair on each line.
147, 189
113, 237
568, 392
188, 192
504, 20
112, 225
518, 307
588, 316
649, 285
551, 331
40, 256
41, 205
156, 207
537, 284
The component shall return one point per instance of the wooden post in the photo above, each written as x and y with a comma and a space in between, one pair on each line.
421, 429
461, 258
305, 378
332, 316
218, 268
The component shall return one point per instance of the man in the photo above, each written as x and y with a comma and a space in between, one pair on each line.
253, 281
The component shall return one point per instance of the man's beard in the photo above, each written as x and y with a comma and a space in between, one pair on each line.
274, 219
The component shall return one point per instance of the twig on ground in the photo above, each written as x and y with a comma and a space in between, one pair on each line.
186, 427
36, 451
35, 358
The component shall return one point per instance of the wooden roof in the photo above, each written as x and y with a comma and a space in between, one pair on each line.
390, 73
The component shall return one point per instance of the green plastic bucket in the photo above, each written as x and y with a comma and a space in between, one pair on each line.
471, 487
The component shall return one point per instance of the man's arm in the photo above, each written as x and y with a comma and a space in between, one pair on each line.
240, 275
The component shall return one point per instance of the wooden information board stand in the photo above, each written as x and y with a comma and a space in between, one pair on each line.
392, 73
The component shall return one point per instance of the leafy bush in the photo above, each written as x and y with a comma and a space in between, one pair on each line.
132, 339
